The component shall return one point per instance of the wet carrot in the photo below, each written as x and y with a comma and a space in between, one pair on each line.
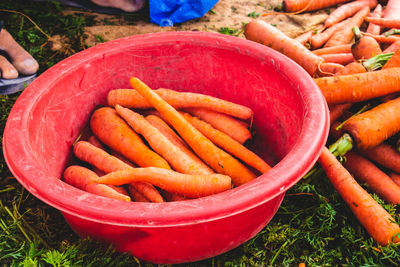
374, 218
216, 158
184, 184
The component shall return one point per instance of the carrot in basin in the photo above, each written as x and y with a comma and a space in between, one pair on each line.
216, 158
373, 217
132, 99
84, 179
179, 160
188, 185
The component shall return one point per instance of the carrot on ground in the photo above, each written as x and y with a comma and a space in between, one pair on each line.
266, 34
346, 48
129, 98
365, 46
307, 5
227, 143
372, 127
236, 129
352, 68
367, 172
373, 217
384, 154
359, 87
215, 157
347, 10
84, 179
179, 160
345, 34
184, 184
107, 163
373, 28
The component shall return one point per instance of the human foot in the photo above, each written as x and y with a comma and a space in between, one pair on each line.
21, 61
125, 5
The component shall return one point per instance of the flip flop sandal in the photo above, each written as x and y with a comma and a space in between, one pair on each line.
12, 86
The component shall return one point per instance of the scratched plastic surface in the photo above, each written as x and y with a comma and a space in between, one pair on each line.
290, 121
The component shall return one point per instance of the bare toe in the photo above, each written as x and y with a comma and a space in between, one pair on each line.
23, 62
7, 69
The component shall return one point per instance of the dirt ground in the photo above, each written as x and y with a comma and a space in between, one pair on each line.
226, 14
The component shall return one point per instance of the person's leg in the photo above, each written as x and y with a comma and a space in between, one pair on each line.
21, 61
125, 5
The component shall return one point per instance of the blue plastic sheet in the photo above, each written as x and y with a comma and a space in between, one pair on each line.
169, 12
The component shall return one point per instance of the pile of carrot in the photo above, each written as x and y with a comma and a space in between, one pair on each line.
354, 58
163, 145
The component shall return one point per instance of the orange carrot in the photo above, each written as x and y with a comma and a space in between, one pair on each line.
230, 145
346, 48
352, 68
385, 22
179, 160
347, 10
113, 131
84, 179
395, 177
216, 158
340, 58
336, 111
318, 40
360, 86
382, 39
365, 46
266, 34
309, 5
392, 47
392, 9
373, 217
374, 126
367, 172
345, 35
373, 28
184, 184
108, 163
136, 195
238, 130
305, 37
394, 61
384, 155
131, 99
329, 69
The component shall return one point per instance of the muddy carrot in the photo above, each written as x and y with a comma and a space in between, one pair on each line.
84, 179
236, 129
132, 99
266, 34
307, 5
373, 28
367, 172
360, 86
347, 10
179, 160
385, 155
373, 217
184, 184
216, 158
227, 143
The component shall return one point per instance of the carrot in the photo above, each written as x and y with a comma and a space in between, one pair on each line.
329, 69
185, 184
131, 99
384, 22
179, 160
112, 130
360, 86
379, 224
392, 9
136, 195
346, 48
345, 34
305, 37
373, 28
347, 10
340, 58
382, 39
216, 158
238, 130
309, 5
318, 40
384, 155
395, 177
84, 178
374, 126
336, 111
108, 163
392, 47
230, 145
352, 68
266, 34
394, 61
365, 46
367, 172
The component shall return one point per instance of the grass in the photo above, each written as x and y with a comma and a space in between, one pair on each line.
313, 225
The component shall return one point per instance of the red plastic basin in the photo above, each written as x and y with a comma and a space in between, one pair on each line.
291, 125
